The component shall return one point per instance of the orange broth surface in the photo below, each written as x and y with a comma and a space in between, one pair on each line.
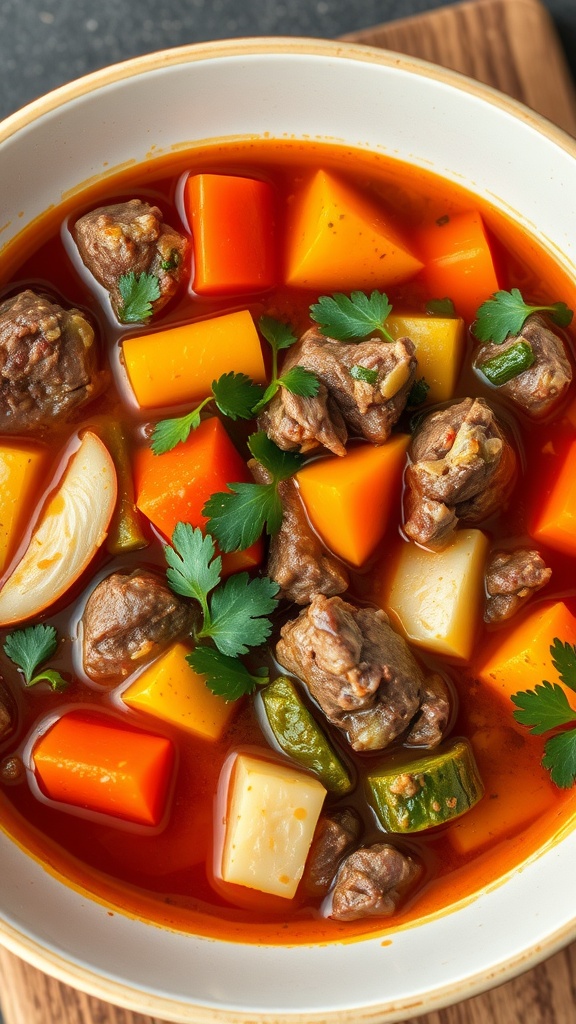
168, 877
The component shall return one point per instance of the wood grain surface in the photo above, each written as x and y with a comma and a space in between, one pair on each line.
512, 45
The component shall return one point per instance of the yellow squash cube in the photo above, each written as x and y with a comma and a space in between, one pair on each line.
20, 487
170, 690
439, 345
272, 814
436, 596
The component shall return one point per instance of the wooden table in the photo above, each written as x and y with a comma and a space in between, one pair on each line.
512, 45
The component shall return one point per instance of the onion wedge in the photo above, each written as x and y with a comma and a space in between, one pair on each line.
71, 529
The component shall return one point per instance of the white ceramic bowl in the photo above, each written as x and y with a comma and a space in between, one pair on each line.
524, 166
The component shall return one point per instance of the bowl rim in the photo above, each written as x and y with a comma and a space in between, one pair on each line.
32, 950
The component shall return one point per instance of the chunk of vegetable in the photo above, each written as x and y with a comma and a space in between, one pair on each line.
299, 735
179, 364
93, 762
71, 529
339, 240
350, 501
20, 472
272, 814
202, 465
417, 793
125, 533
436, 596
171, 690
439, 345
232, 223
520, 659
555, 522
458, 261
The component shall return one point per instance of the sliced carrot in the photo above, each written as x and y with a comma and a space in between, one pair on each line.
20, 473
232, 223
555, 522
458, 262
349, 501
337, 239
179, 364
174, 487
91, 761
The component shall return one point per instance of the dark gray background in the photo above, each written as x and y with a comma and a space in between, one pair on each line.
44, 43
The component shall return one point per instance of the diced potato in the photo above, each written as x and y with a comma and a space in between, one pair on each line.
520, 658
170, 690
349, 501
556, 520
20, 471
273, 811
436, 596
439, 345
338, 239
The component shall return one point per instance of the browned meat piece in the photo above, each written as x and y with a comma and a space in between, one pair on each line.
462, 467
433, 718
12, 770
128, 619
297, 561
511, 579
335, 835
540, 388
360, 671
304, 424
372, 882
48, 362
7, 712
128, 238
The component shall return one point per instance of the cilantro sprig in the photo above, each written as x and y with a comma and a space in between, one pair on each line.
298, 380
237, 517
226, 677
29, 648
506, 313
234, 394
546, 707
138, 294
352, 317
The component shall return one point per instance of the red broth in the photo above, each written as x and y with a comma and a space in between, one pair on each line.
168, 877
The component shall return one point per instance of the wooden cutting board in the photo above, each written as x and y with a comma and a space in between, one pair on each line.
511, 45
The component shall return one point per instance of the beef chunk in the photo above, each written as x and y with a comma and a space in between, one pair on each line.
7, 712
47, 362
462, 467
128, 238
335, 835
128, 619
433, 718
511, 579
360, 671
543, 385
304, 424
297, 561
372, 882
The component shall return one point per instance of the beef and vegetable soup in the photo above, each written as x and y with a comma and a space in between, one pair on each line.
287, 536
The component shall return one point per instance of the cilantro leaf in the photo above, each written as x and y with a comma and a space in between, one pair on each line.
279, 463
138, 294
564, 661
168, 433
358, 315
238, 609
278, 334
193, 566
418, 392
233, 393
226, 677
364, 374
30, 647
543, 708
300, 381
560, 758
506, 312
441, 307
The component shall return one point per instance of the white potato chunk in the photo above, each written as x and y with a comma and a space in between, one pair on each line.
273, 811
436, 596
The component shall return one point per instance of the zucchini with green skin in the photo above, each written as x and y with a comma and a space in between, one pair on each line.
300, 736
416, 794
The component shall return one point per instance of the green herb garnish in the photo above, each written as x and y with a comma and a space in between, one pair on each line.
138, 294
237, 517
506, 313
364, 374
172, 262
352, 317
441, 307
546, 707
298, 380
417, 394
233, 393
28, 648
226, 677
509, 364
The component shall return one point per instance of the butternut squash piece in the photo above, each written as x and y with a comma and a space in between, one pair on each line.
436, 596
439, 345
179, 364
350, 500
337, 239
458, 262
555, 523
171, 690
20, 475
